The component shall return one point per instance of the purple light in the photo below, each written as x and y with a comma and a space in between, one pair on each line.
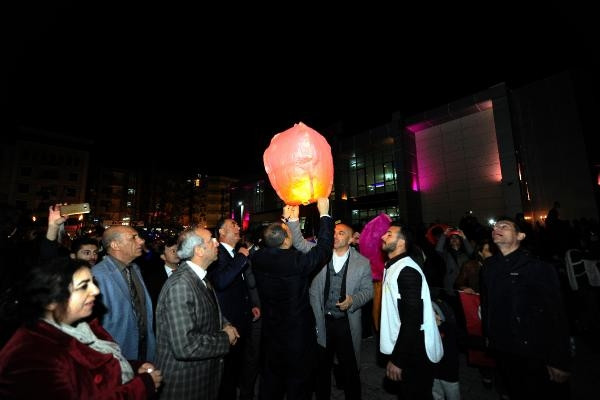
415, 183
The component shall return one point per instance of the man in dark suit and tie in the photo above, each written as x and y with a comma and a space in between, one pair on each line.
192, 336
155, 276
283, 278
234, 283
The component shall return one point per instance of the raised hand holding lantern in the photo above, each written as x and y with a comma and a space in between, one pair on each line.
299, 165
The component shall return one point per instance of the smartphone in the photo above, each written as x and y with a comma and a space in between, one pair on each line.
79, 208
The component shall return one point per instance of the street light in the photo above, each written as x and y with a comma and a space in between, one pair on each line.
241, 204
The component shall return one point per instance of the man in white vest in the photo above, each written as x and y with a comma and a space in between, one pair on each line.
409, 334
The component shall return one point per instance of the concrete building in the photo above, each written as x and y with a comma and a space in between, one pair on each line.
39, 168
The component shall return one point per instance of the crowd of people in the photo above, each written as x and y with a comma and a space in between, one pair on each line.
208, 315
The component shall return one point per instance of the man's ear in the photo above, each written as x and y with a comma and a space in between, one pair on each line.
72, 255
521, 236
162, 257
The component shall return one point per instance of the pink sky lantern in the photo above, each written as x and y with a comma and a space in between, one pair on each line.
299, 165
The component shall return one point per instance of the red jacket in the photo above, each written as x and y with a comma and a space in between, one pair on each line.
43, 362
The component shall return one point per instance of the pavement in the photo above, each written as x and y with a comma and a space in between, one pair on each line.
585, 381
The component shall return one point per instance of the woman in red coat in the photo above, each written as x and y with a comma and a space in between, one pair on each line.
57, 355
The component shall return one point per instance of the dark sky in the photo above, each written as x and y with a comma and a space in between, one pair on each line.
232, 76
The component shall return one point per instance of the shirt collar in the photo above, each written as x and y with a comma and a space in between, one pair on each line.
168, 270
119, 264
228, 248
197, 269
343, 256
391, 261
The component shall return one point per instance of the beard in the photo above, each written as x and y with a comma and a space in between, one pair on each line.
389, 247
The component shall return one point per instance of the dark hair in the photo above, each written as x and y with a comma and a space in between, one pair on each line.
274, 234
219, 225
169, 242
82, 241
410, 246
406, 234
47, 284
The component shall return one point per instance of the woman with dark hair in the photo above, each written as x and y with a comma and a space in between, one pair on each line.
55, 354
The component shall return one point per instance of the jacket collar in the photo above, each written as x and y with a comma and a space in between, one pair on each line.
82, 353
393, 260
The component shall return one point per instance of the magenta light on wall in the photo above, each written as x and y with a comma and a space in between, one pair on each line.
415, 183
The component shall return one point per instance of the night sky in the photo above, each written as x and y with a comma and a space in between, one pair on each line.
232, 77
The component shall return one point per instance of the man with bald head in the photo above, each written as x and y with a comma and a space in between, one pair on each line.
128, 314
192, 334
288, 331
337, 294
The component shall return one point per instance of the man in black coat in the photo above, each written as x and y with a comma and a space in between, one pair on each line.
524, 319
289, 337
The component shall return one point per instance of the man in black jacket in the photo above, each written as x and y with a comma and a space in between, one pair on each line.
288, 331
524, 319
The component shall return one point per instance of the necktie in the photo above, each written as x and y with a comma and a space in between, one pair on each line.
210, 289
137, 307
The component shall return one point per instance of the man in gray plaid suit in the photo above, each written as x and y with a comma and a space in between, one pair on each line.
192, 335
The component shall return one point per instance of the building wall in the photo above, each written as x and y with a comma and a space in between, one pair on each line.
459, 169
552, 148
38, 174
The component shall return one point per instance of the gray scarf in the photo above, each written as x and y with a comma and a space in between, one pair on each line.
83, 333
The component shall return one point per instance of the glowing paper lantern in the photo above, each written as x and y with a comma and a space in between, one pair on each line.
299, 165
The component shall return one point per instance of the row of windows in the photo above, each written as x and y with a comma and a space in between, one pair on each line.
371, 173
361, 217
47, 191
45, 158
49, 174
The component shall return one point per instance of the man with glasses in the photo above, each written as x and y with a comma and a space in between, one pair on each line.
523, 318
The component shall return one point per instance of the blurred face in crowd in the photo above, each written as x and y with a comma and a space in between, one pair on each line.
87, 252
230, 232
485, 251
356, 238
455, 242
170, 256
393, 241
128, 246
342, 236
211, 251
506, 236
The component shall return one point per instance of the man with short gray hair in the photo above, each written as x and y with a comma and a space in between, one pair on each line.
192, 335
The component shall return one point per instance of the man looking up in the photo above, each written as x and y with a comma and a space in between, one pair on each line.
524, 319
337, 293
234, 283
128, 316
409, 333
288, 330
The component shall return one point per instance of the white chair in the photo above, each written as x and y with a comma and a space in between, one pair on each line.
575, 267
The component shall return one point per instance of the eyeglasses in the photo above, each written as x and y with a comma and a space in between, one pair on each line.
503, 226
